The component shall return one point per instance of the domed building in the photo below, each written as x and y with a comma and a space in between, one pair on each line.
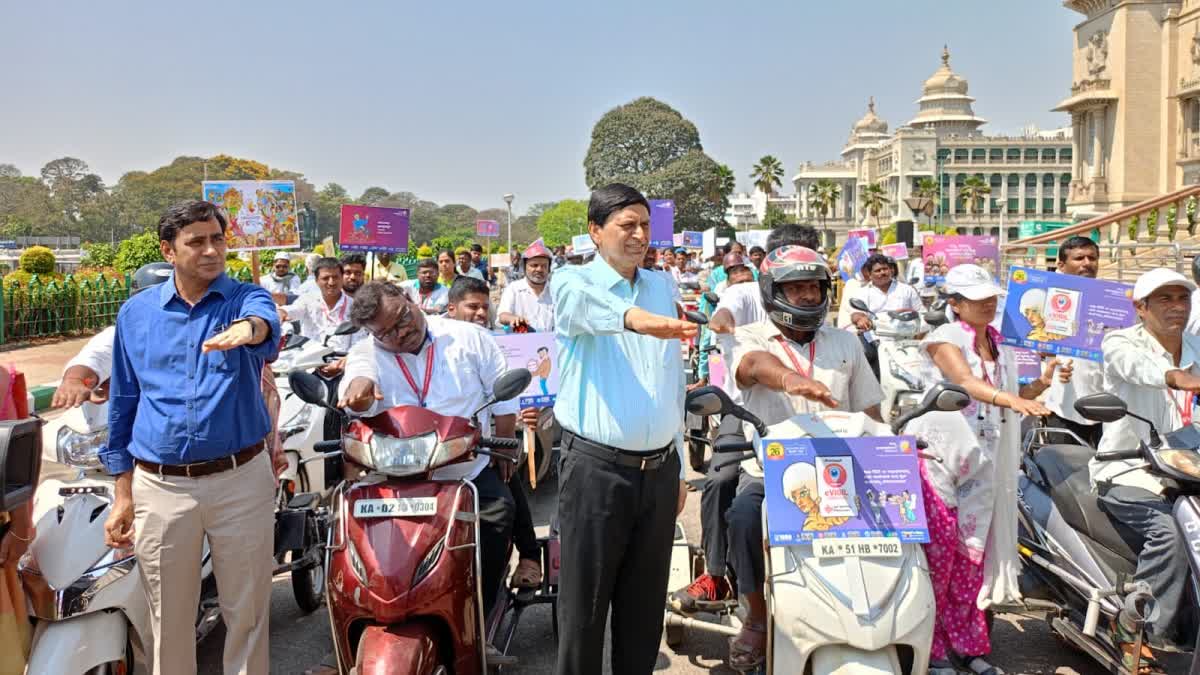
1028, 175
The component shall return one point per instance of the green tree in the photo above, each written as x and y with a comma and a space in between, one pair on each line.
98, 255
567, 219
649, 145
767, 174
973, 192
138, 250
25, 207
823, 198
36, 260
72, 190
726, 184
874, 199
373, 196
328, 205
774, 217
9, 171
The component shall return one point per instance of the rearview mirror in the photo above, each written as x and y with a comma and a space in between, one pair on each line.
707, 401
346, 328
293, 341
859, 305
310, 388
695, 317
712, 298
1101, 407
510, 385
942, 397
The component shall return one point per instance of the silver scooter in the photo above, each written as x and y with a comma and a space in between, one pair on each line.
1077, 567
87, 599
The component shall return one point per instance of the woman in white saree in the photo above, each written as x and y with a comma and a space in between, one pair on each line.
970, 490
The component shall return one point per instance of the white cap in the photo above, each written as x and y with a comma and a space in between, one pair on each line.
1157, 278
282, 256
971, 282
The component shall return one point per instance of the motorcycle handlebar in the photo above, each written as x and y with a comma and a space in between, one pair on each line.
500, 443
327, 446
1117, 455
733, 445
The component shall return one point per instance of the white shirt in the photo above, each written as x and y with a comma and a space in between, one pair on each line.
466, 363
744, 301
849, 290
915, 272
1087, 378
1193, 325
436, 300
289, 285
309, 286
520, 299
838, 362
97, 354
897, 297
473, 272
317, 320
1135, 370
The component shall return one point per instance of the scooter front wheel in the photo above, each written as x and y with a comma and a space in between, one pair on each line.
308, 586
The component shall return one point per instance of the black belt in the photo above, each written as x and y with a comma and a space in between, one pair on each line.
643, 461
198, 469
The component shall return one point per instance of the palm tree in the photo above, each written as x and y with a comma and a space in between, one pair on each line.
827, 195
973, 192
724, 185
874, 198
767, 174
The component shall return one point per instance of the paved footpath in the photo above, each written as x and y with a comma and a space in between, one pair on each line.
43, 364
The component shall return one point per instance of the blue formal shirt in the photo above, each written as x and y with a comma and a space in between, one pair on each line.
170, 403
616, 387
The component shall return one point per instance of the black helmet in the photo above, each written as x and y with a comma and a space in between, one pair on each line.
794, 263
149, 275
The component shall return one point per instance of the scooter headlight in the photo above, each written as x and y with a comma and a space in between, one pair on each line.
402, 456
81, 450
1184, 461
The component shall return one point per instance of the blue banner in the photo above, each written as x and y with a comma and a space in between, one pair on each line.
1062, 314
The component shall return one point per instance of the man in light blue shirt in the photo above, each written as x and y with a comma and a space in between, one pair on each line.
620, 403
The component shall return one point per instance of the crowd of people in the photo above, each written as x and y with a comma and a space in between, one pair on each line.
191, 432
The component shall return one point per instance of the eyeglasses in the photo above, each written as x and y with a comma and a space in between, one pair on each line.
403, 319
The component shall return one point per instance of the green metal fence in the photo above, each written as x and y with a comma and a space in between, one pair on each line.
36, 309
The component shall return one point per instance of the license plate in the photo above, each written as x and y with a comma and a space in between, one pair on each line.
862, 547
393, 508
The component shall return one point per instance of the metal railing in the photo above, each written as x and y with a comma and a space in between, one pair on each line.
1118, 262
37, 309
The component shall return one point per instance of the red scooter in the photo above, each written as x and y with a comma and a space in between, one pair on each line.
403, 566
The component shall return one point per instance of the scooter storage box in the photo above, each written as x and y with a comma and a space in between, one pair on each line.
20, 461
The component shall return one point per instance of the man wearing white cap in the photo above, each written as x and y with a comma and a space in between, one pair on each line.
1153, 366
281, 281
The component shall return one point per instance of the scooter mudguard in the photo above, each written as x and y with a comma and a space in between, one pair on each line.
78, 644
407, 648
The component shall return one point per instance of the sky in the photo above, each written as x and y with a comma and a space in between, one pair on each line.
462, 102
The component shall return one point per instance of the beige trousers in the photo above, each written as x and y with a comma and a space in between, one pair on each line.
172, 515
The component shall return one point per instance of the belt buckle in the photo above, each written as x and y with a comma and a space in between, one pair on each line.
187, 470
643, 464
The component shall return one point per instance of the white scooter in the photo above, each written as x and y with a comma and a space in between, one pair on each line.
87, 598
839, 614
900, 361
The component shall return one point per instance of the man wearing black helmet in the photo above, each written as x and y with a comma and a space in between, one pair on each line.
789, 365
86, 376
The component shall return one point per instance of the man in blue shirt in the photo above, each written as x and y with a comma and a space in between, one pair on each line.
620, 404
186, 427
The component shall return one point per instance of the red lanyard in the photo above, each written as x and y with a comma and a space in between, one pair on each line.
412, 382
812, 355
341, 315
1185, 411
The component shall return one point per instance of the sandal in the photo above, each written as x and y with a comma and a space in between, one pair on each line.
748, 650
528, 575
942, 667
980, 667
1125, 642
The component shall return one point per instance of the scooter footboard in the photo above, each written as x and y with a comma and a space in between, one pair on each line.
76, 645
408, 648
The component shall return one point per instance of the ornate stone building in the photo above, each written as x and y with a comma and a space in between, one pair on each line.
1134, 102
1029, 175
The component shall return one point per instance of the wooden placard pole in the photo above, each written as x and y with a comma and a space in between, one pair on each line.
531, 456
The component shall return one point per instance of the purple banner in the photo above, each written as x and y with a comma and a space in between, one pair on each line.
487, 228
1054, 313
1029, 365
941, 252
373, 228
843, 487
662, 223
693, 239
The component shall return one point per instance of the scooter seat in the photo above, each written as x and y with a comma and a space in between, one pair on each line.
1066, 469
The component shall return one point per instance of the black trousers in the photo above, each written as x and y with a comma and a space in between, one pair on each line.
1090, 433
616, 527
523, 535
497, 511
746, 535
720, 487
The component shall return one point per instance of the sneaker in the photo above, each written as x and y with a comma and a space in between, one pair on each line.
706, 592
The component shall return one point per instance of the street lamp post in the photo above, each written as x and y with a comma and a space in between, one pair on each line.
508, 199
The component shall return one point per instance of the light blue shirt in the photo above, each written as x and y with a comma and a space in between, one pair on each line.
616, 387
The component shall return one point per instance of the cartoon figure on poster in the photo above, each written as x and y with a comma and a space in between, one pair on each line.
852, 257
535, 352
261, 214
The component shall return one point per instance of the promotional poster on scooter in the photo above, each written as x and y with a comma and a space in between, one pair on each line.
536, 353
942, 252
865, 487
373, 228
1062, 314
